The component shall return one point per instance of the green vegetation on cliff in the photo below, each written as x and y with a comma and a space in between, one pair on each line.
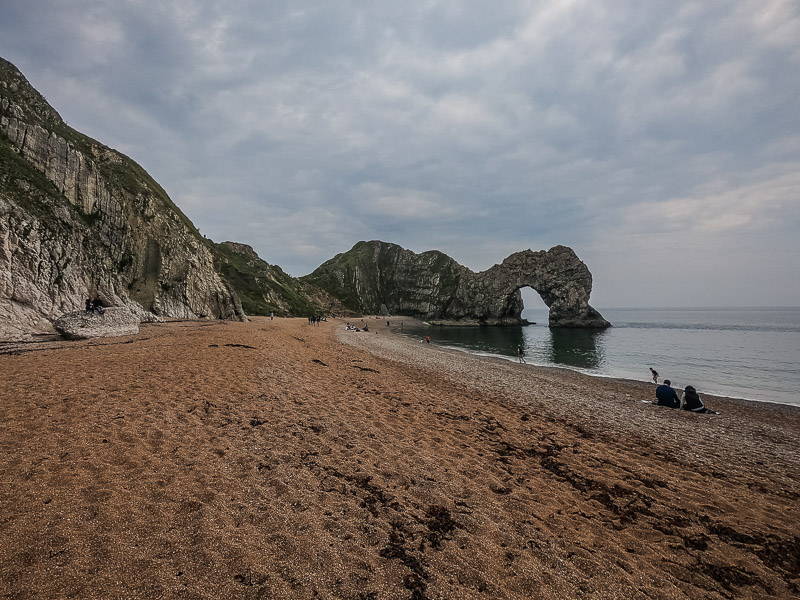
29, 189
261, 287
24, 184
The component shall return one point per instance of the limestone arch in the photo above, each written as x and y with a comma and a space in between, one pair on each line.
558, 276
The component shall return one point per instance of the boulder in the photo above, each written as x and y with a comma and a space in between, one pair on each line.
82, 325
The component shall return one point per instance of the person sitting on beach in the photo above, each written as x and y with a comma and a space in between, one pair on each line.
97, 306
667, 396
691, 401
89, 305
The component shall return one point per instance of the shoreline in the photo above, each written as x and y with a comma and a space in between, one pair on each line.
278, 459
509, 358
632, 396
631, 380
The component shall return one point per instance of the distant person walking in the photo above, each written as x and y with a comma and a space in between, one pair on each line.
691, 401
655, 374
521, 355
667, 396
271, 316
427, 339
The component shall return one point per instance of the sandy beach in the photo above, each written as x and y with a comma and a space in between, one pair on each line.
274, 459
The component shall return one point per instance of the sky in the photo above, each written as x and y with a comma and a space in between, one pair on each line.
660, 140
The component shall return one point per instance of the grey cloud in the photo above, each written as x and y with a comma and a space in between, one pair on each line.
478, 129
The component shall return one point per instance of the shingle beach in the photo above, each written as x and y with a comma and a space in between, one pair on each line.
275, 459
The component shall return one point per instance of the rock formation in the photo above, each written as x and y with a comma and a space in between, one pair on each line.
79, 219
81, 325
376, 277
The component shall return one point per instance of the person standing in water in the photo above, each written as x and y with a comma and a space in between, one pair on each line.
655, 374
521, 355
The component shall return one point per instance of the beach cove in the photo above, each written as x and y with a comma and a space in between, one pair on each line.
276, 459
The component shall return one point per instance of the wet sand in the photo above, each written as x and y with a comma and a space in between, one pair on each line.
273, 459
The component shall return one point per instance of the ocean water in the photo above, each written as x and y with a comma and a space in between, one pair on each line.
751, 353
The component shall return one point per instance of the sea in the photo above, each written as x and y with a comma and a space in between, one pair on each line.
751, 353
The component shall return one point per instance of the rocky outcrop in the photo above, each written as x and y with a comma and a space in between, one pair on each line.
82, 325
79, 219
561, 279
376, 277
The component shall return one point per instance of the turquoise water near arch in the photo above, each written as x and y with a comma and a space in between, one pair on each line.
751, 353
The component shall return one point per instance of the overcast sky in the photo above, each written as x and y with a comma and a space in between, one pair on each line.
659, 139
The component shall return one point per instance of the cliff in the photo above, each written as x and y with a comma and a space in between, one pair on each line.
376, 277
79, 219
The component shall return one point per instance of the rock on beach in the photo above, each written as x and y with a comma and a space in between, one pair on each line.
82, 325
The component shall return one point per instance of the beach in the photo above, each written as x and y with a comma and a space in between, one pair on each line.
275, 459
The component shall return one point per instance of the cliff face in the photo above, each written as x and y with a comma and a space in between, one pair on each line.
79, 219
377, 277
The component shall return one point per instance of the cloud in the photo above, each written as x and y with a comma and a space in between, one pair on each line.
716, 208
477, 129
417, 205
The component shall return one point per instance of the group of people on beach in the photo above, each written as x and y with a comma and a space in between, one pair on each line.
94, 306
352, 327
689, 400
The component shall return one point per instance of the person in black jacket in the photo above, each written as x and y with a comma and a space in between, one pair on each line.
667, 396
691, 401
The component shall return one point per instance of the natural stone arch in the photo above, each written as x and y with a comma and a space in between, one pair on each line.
560, 278
377, 278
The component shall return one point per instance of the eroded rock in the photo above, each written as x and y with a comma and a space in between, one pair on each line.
82, 325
